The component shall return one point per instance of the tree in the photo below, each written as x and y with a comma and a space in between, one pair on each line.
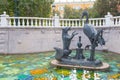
76, 14
30, 8
6, 5
67, 12
103, 6
71, 13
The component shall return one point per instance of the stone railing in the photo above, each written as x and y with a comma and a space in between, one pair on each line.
6, 21
29, 22
116, 21
98, 22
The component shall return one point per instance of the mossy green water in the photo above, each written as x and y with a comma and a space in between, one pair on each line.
37, 67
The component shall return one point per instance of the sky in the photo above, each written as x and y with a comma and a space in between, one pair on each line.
72, 0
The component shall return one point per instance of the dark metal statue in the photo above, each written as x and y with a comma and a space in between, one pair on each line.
64, 53
95, 36
79, 50
67, 40
79, 44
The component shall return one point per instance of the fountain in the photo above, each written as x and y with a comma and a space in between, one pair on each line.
63, 58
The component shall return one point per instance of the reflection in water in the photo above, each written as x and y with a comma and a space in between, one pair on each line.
81, 75
73, 75
37, 67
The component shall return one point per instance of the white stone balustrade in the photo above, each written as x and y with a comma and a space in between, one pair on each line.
30, 22
6, 21
116, 21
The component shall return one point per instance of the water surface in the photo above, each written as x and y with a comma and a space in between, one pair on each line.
37, 67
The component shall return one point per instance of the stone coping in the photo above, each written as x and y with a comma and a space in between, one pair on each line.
49, 27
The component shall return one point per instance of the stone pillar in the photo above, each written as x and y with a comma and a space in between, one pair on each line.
56, 22
108, 20
4, 21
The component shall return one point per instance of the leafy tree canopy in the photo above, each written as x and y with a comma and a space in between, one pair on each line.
30, 8
101, 7
71, 13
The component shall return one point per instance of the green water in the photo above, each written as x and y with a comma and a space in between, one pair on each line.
37, 67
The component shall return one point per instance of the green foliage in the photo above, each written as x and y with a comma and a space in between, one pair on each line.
104, 6
71, 13
30, 8
100, 9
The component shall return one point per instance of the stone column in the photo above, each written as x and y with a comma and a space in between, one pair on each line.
56, 22
108, 20
4, 20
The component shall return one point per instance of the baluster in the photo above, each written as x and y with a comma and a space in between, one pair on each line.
69, 23
14, 23
96, 22
32, 22
46, 22
89, 21
76, 23
100, 22
27, 22
104, 22
43, 23
18, 22
23, 22
39, 22
72, 23
49, 22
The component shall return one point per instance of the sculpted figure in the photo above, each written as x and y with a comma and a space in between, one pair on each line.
79, 44
79, 50
67, 40
95, 36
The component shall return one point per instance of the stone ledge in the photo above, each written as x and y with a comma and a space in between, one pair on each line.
57, 64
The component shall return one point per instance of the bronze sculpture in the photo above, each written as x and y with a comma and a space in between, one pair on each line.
95, 37
64, 53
